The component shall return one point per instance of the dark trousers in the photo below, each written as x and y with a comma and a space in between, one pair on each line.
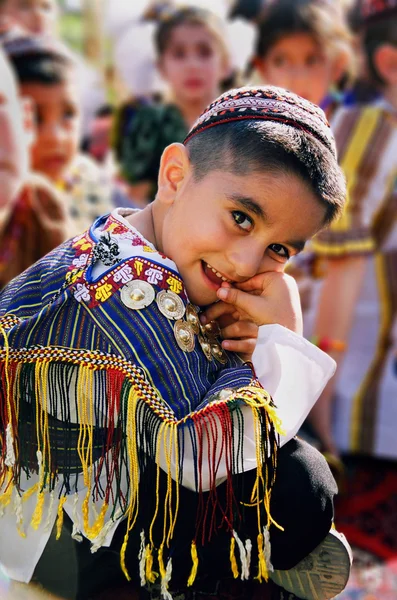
302, 502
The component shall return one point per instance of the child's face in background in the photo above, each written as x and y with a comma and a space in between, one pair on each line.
36, 16
297, 63
235, 227
57, 127
193, 64
14, 136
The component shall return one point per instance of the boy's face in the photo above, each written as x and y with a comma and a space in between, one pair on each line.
13, 136
193, 63
57, 127
297, 63
36, 16
235, 227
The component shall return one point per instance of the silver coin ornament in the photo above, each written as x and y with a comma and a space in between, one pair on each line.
184, 335
137, 294
211, 330
170, 305
205, 346
218, 353
192, 318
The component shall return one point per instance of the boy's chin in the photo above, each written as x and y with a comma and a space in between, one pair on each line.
203, 298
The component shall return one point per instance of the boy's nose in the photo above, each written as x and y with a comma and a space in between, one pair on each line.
246, 261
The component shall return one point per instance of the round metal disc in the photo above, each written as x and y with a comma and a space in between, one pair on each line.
193, 318
205, 346
137, 294
184, 336
218, 353
170, 304
212, 330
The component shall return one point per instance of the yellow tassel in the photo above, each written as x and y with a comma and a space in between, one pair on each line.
161, 561
193, 573
233, 561
5, 498
122, 557
38, 511
60, 517
151, 575
262, 567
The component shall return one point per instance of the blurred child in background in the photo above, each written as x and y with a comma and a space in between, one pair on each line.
32, 218
193, 60
357, 312
46, 74
304, 46
36, 16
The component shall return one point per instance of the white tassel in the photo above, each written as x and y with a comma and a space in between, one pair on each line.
49, 522
166, 580
142, 559
267, 549
39, 457
18, 509
248, 550
76, 531
101, 537
243, 557
10, 454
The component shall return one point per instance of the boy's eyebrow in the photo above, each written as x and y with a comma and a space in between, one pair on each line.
249, 204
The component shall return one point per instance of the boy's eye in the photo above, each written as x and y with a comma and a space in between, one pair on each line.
178, 53
280, 61
242, 220
280, 250
205, 51
313, 60
69, 112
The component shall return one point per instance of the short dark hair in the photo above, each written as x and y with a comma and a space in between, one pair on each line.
45, 68
254, 145
377, 33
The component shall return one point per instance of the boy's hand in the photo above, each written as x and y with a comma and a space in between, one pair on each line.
267, 298
238, 335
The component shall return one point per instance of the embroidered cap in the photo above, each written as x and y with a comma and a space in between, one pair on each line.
266, 103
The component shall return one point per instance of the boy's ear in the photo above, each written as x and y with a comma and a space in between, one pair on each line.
174, 168
27, 106
385, 61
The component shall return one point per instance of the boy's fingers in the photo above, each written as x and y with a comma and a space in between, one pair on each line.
241, 300
240, 329
245, 347
213, 312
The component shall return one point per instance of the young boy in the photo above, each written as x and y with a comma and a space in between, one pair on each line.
118, 401
32, 218
47, 75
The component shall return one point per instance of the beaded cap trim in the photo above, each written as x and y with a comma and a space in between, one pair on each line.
266, 103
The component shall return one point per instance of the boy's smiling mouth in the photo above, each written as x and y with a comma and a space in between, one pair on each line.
213, 275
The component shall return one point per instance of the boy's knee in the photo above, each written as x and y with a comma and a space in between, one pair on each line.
301, 502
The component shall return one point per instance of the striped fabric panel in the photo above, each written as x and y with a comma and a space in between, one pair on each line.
362, 137
366, 401
143, 337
